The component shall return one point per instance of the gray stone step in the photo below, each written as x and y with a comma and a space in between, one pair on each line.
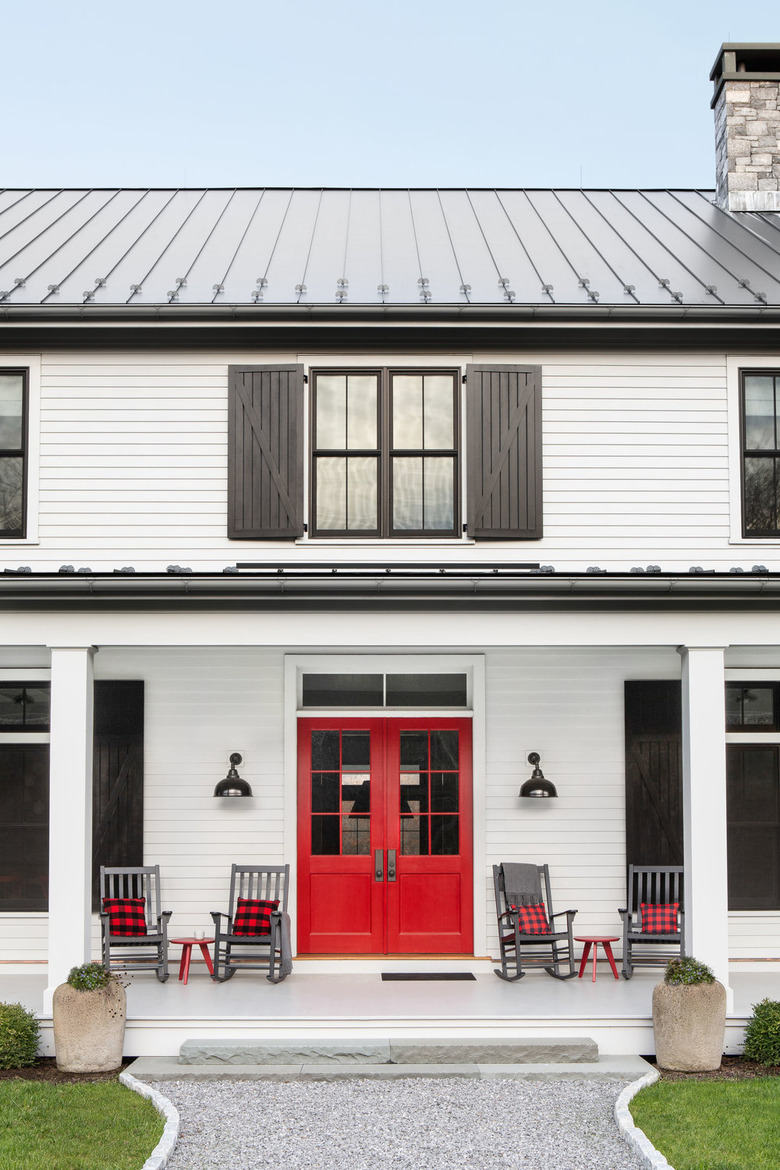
606, 1068
478, 1050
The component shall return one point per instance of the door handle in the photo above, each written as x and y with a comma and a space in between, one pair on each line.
379, 865
391, 865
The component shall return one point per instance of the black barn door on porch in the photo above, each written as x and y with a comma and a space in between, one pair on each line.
654, 818
118, 777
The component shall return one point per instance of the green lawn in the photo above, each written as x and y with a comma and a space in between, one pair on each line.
75, 1127
713, 1125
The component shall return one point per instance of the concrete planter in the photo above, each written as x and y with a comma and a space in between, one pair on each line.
89, 1028
689, 1023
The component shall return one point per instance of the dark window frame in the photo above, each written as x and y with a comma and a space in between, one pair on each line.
746, 728
385, 452
752, 453
21, 452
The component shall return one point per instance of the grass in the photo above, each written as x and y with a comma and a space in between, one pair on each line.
713, 1125
75, 1127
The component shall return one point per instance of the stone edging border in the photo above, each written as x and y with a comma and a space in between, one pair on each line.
631, 1133
167, 1143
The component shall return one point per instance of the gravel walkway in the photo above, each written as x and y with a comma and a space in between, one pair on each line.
441, 1124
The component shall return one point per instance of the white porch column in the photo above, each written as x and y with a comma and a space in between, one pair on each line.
704, 807
70, 813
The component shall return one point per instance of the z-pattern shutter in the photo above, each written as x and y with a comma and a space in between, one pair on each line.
504, 452
654, 819
118, 777
265, 452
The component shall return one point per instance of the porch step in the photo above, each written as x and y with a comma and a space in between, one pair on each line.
624, 1068
483, 1051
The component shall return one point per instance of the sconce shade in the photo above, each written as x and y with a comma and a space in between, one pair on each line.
233, 785
537, 785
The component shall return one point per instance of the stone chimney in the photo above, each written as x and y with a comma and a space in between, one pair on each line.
747, 127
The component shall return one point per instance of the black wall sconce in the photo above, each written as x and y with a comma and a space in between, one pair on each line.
233, 785
537, 785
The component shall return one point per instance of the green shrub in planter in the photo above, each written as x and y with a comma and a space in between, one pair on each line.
686, 972
19, 1030
89, 977
762, 1034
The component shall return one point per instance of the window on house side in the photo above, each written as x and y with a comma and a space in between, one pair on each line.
761, 453
13, 436
385, 453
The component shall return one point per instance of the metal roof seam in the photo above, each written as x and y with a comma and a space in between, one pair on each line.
72, 236
243, 236
58, 284
301, 288
32, 213
547, 289
464, 287
729, 243
18, 252
137, 287
557, 244
626, 288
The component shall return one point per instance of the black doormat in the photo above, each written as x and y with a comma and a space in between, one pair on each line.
399, 976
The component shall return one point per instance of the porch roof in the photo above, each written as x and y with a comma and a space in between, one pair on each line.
494, 586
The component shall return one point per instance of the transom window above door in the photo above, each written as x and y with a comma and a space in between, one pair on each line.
384, 453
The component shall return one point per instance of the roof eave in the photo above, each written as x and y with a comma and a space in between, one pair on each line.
176, 314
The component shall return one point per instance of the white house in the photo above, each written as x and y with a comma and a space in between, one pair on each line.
433, 474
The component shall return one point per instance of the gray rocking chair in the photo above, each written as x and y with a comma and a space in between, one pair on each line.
526, 885
260, 952
653, 885
147, 952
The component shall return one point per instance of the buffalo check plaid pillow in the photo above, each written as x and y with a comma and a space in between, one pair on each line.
532, 919
253, 916
659, 919
126, 916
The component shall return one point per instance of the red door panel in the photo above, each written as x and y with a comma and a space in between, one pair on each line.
384, 836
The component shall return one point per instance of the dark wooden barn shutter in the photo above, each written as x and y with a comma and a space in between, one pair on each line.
504, 452
654, 820
118, 777
753, 794
265, 452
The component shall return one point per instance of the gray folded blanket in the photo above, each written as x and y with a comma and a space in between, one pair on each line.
285, 966
522, 884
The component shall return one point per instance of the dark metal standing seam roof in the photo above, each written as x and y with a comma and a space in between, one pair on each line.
342, 247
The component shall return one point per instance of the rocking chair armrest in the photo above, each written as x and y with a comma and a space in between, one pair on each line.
560, 913
217, 915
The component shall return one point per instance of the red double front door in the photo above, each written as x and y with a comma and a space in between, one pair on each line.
384, 836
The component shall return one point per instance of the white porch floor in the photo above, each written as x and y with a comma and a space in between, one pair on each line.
313, 1005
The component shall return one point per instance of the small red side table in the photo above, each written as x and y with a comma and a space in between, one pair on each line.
186, 945
594, 940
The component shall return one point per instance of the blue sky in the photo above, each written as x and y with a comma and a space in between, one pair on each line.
362, 93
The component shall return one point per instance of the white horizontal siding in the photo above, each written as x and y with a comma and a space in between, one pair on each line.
635, 454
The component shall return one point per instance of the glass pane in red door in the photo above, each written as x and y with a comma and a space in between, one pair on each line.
429, 799
341, 796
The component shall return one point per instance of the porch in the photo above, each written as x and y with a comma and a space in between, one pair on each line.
316, 1003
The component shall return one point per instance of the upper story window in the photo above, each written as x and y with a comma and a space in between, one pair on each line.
13, 451
384, 453
760, 404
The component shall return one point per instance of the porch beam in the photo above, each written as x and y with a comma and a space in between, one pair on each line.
704, 807
70, 813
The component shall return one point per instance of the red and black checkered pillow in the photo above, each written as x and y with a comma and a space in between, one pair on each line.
532, 919
659, 919
126, 916
253, 916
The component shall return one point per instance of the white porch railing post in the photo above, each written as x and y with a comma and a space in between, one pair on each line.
704, 807
70, 813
